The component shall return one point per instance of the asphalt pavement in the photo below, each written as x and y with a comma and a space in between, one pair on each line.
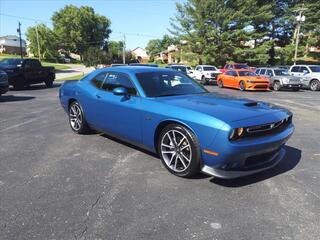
55, 184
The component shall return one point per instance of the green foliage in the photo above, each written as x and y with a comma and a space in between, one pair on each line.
48, 44
80, 28
94, 56
155, 46
244, 30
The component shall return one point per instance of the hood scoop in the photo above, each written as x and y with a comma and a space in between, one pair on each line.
251, 104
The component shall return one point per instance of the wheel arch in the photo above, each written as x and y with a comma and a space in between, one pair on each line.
165, 123
71, 100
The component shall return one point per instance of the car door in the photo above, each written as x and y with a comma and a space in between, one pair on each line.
29, 73
120, 115
294, 71
234, 79
37, 71
303, 71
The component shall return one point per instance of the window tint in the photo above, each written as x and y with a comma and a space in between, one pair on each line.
295, 69
262, 72
98, 79
257, 71
115, 80
28, 64
247, 74
233, 73
35, 63
302, 69
315, 68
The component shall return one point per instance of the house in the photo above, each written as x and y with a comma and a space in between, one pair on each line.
168, 56
11, 45
140, 54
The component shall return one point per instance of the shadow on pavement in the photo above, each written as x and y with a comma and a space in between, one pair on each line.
11, 98
39, 86
291, 159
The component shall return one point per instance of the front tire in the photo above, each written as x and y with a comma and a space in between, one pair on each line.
179, 150
203, 80
77, 120
49, 81
315, 85
242, 86
276, 86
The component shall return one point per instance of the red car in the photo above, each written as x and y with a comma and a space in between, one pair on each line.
235, 66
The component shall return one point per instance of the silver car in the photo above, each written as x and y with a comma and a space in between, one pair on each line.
279, 78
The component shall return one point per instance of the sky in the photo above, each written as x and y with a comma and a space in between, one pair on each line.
140, 20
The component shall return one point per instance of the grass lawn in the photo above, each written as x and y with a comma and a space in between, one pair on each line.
77, 77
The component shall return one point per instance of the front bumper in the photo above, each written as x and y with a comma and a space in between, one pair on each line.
292, 85
4, 89
246, 157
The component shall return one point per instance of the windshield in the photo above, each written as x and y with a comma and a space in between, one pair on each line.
160, 84
247, 73
315, 68
209, 68
10, 62
241, 66
281, 72
180, 68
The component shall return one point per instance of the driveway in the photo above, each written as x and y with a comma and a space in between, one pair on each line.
55, 184
74, 70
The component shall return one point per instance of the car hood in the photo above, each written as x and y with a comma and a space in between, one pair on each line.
7, 67
209, 72
221, 107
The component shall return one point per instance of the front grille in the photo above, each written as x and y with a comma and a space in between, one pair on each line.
261, 86
270, 128
259, 159
214, 75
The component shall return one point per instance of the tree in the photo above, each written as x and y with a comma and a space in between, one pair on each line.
155, 46
48, 45
79, 29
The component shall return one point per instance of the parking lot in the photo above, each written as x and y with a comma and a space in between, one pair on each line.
55, 184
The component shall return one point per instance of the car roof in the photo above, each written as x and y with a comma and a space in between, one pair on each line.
135, 69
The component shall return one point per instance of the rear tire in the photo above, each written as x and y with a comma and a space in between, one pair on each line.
77, 120
49, 81
315, 85
242, 86
179, 150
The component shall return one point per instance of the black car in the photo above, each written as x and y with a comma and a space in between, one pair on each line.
4, 85
24, 72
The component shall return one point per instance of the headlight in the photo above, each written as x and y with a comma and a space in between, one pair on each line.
285, 80
236, 133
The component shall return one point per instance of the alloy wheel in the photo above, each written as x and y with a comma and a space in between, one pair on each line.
75, 117
176, 150
314, 85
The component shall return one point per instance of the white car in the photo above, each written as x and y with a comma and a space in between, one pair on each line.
206, 74
310, 75
182, 68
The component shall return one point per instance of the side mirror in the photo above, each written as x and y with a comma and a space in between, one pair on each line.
120, 91
305, 72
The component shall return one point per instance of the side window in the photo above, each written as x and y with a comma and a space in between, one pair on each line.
233, 73
98, 79
27, 64
303, 69
269, 73
35, 64
257, 71
115, 80
228, 73
295, 69
262, 72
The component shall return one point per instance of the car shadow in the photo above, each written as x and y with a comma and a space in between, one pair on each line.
39, 86
12, 98
290, 160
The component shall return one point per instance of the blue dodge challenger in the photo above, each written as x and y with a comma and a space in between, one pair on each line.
168, 113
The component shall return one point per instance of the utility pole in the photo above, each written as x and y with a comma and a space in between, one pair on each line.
299, 19
124, 49
39, 54
19, 31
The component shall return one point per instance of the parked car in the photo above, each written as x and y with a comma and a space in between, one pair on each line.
4, 84
206, 74
24, 72
310, 75
182, 68
166, 112
235, 66
279, 78
243, 80
118, 65
143, 64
